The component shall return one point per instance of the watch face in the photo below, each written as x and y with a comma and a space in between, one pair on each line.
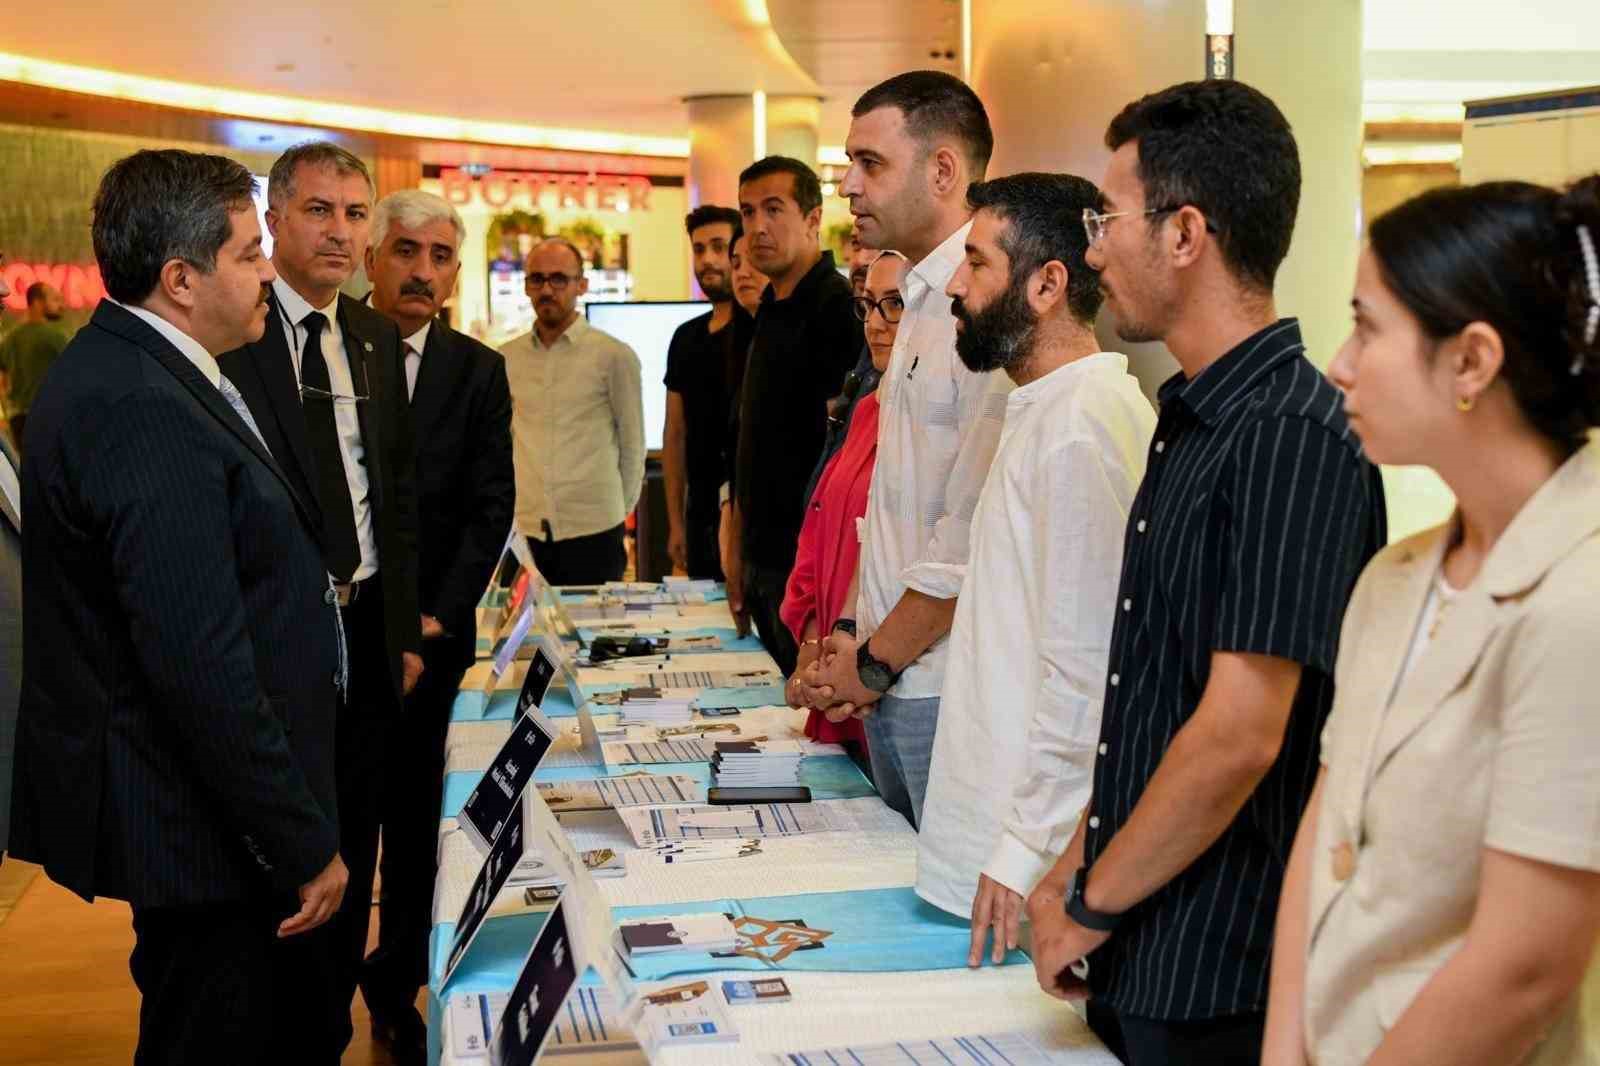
876, 677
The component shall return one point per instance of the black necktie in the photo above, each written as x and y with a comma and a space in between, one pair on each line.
333, 487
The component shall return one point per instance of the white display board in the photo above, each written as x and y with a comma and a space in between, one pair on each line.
647, 328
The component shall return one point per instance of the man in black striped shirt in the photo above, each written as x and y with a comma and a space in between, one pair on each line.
1256, 514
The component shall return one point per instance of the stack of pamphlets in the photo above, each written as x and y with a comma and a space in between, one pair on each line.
757, 763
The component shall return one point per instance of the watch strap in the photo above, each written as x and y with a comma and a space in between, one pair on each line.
845, 625
1079, 911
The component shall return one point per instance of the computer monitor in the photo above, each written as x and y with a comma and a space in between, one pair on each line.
647, 327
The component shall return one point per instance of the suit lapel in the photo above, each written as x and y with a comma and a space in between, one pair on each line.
367, 378
437, 380
274, 367
9, 456
131, 328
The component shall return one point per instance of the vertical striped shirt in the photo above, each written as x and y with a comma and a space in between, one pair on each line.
1256, 514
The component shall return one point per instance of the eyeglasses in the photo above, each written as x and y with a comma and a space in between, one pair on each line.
558, 282
314, 393
1094, 222
890, 307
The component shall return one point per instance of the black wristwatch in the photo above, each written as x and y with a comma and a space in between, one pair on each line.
845, 625
874, 672
1079, 911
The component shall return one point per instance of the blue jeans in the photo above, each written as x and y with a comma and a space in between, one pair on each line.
900, 746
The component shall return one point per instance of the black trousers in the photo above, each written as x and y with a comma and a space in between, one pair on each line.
763, 596
368, 716
589, 560
413, 793
705, 555
218, 985
1234, 1040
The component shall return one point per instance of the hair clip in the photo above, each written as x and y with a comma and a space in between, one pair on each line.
1591, 267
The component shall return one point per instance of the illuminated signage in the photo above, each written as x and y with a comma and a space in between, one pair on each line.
498, 188
80, 286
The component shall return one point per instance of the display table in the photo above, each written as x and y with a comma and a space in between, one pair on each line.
892, 968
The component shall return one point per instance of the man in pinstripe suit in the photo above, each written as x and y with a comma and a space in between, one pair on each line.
176, 733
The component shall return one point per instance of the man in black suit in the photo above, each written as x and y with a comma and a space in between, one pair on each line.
176, 736
466, 487
327, 387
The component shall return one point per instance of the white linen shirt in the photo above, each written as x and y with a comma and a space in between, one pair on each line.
577, 429
938, 427
1019, 724
352, 449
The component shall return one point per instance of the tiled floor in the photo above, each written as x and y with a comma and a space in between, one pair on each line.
65, 995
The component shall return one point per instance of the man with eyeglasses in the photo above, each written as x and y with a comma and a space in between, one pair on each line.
577, 427
1255, 516
326, 384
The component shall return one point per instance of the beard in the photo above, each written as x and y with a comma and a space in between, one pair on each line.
999, 336
717, 285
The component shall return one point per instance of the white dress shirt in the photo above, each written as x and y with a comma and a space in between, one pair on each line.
1019, 724
187, 346
414, 346
938, 427
9, 483
577, 430
293, 309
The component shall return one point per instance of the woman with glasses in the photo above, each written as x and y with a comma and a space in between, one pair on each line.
1442, 899
825, 559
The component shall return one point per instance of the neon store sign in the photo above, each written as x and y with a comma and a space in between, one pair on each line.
605, 192
80, 286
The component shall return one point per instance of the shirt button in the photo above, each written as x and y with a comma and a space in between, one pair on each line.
1116, 679
1141, 525
1161, 446
1094, 821
1127, 605
1104, 748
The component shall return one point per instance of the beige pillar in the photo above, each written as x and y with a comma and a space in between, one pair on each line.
1053, 75
722, 139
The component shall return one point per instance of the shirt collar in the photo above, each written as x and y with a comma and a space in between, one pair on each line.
819, 270
1212, 392
933, 272
1062, 377
419, 339
297, 307
572, 334
187, 346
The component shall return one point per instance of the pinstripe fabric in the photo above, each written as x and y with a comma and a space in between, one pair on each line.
175, 743
1256, 515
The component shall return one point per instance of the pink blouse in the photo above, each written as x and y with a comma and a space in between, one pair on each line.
825, 559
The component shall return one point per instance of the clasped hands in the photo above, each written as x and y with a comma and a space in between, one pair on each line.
825, 679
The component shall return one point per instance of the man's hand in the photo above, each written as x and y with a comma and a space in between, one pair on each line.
410, 670
678, 548
319, 899
731, 545
835, 685
809, 652
1058, 941
998, 908
432, 628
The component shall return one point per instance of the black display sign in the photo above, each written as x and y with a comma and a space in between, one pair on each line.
541, 671
500, 790
492, 877
541, 991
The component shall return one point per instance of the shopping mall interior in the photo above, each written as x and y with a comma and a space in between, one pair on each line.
607, 125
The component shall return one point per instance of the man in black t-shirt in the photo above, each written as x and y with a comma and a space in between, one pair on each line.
697, 400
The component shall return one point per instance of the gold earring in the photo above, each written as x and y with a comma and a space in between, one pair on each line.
1464, 403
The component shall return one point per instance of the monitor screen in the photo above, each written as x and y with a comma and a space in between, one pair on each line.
647, 328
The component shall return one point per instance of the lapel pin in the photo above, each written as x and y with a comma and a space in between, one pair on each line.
367, 345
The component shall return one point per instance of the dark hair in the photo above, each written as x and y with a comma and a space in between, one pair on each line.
710, 215
1225, 148
807, 187
1507, 254
156, 206
36, 293
280, 180
936, 104
1044, 216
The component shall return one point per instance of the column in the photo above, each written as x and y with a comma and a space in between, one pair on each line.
722, 139
1053, 75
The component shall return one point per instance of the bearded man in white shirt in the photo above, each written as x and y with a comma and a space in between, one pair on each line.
916, 142
1019, 722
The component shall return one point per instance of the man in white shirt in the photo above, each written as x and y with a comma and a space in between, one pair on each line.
577, 427
916, 143
1020, 718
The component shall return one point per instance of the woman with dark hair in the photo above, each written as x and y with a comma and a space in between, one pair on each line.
1442, 900
830, 544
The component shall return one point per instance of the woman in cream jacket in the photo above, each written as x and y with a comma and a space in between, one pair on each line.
1442, 901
